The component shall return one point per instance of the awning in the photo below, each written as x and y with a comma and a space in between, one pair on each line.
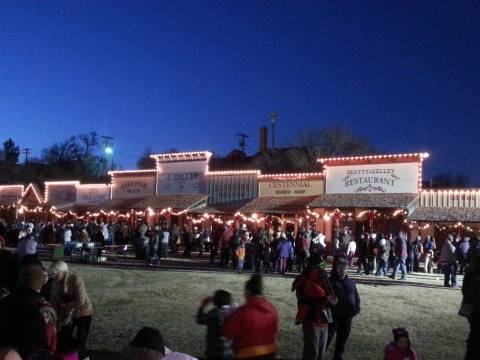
221, 209
177, 202
278, 205
370, 201
445, 214
118, 204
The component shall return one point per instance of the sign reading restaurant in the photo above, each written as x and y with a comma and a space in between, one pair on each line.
291, 186
373, 178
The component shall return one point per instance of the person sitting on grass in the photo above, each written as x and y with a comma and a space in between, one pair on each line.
218, 347
148, 345
400, 348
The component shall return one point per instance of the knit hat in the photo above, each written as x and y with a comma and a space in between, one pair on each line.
58, 266
31, 276
149, 338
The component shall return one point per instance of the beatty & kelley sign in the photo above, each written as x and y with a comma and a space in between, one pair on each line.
378, 178
302, 187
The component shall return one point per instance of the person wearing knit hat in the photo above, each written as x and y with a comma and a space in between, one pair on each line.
21, 324
400, 348
68, 294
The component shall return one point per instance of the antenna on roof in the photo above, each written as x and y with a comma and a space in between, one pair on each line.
241, 141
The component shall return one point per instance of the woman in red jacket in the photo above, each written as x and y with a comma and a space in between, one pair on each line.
253, 327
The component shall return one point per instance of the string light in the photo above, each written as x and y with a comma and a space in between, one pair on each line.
422, 156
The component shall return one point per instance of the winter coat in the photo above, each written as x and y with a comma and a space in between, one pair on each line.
352, 247
448, 253
462, 250
21, 324
401, 247
285, 249
130, 352
393, 353
71, 292
253, 327
217, 345
348, 304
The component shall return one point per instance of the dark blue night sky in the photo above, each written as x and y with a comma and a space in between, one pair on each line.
192, 74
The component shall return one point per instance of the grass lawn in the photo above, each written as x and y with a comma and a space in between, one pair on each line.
125, 300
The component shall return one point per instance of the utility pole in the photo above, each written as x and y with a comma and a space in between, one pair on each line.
242, 141
27, 152
273, 116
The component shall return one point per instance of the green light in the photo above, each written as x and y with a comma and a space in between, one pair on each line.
109, 150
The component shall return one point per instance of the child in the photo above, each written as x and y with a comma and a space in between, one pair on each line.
50, 317
240, 253
218, 347
400, 348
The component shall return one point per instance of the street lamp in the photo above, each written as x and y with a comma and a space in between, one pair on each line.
109, 150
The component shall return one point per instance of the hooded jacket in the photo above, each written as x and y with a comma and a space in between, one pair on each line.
21, 324
253, 327
348, 304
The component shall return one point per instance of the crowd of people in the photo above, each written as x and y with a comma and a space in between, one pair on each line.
45, 313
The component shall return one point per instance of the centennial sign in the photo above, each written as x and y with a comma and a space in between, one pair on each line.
93, 194
300, 187
10, 194
133, 186
378, 178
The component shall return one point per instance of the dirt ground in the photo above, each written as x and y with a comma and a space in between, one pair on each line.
126, 299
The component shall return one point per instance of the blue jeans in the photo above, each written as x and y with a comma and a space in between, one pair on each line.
382, 267
450, 277
400, 264
239, 266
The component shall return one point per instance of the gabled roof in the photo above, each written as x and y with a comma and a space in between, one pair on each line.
32, 196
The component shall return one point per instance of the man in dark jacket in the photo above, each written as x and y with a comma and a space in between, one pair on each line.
400, 255
348, 305
362, 255
21, 324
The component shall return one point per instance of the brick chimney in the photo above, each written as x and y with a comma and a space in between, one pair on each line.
263, 139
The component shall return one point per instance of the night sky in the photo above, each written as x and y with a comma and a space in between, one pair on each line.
192, 74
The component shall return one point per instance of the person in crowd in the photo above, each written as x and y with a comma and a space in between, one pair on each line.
336, 251
372, 253
174, 239
428, 255
9, 354
50, 316
164, 242
382, 256
348, 305
351, 250
400, 348
148, 344
314, 294
27, 244
471, 300
462, 254
449, 262
240, 257
362, 255
153, 244
285, 251
21, 324
187, 242
68, 294
301, 250
400, 255
253, 327
218, 347
9, 268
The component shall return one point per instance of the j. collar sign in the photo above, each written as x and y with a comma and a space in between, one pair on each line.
382, 178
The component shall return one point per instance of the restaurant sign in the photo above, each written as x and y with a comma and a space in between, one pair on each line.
10, 194
373, 178
133, 186
93, 194
300, 187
